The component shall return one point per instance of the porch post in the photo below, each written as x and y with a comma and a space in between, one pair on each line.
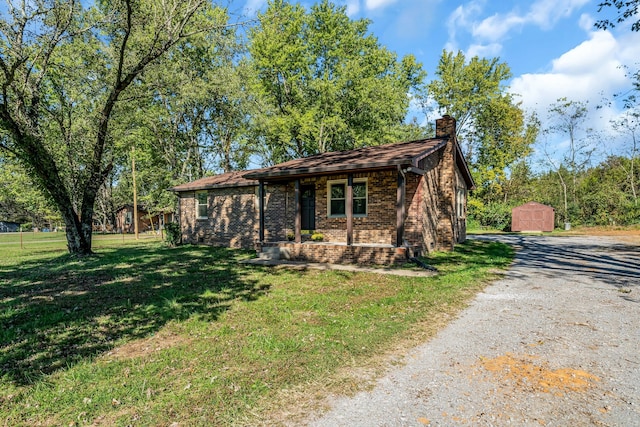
261, 209
298, 220
349, 209
400, 196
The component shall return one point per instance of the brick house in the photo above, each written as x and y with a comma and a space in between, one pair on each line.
373, 205
146, 221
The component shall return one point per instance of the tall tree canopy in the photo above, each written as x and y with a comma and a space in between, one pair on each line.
324, 83
64, 73
190, 118
492, 128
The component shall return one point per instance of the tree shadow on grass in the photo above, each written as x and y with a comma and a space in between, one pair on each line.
60, 311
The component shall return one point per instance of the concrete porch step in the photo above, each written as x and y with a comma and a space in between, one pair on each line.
270, 253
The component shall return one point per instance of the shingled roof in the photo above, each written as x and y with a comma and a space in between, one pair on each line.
362, 159
224, 180
378, 157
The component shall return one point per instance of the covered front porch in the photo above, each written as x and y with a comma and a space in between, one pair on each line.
336, 252
370, 219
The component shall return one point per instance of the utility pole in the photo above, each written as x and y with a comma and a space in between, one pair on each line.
135, 192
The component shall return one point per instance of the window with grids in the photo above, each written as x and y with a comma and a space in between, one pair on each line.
461, 196
338, 198
203, 206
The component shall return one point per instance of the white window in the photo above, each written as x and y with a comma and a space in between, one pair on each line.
461, 196
202, 205
337, 195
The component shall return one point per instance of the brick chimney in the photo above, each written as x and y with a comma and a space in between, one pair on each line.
445, 127
446, 229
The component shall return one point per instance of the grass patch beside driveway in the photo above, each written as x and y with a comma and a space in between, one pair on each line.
146, 335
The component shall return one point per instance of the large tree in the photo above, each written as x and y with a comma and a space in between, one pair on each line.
64, 73
325, 83
493, 130
503, 137
567, 118
463, 89
190, 119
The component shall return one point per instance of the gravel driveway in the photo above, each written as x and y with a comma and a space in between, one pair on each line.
555, 342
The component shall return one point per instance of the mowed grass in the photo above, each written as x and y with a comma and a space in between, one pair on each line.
30, 243
142, 334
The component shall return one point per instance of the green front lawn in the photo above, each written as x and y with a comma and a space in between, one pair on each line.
146, 335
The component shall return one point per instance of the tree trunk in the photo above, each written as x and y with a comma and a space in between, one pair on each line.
78, 228
78, 240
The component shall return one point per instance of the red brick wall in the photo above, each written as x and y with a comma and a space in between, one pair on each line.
232, 218
278, 212
378, 226
342, 254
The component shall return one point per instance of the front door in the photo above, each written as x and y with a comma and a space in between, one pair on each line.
308, 194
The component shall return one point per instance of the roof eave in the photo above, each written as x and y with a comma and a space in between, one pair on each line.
325, 170
428, 152
211, 187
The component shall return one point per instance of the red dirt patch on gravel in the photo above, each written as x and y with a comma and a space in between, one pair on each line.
520, 371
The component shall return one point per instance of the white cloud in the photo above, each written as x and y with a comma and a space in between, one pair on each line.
591, 55
353, 7
461, 18
495, 27
490, 31
546, 13
590, 72
587, 72
586, 22
377, 4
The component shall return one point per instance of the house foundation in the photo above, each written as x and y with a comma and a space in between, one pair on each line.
336, 253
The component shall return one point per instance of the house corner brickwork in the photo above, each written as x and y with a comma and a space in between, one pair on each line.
232, 218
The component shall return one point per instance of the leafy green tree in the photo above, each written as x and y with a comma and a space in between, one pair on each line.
567, 118
20, 201
607, 199
191, 118
517, 189
463, 89
504, 137
324, 83
623, 9
65, 71
628, 126
493, 131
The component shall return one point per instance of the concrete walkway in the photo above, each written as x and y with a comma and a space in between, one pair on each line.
298, 265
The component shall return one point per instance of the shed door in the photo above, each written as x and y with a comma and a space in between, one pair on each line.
308, 207
532, 219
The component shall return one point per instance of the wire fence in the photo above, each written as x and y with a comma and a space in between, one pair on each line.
26, 239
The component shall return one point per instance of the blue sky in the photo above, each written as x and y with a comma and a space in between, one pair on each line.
551, 46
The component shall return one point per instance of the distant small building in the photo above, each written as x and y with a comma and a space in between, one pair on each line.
9, 227
146, 222
532, 216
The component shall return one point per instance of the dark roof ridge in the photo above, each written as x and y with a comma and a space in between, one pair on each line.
363, 158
